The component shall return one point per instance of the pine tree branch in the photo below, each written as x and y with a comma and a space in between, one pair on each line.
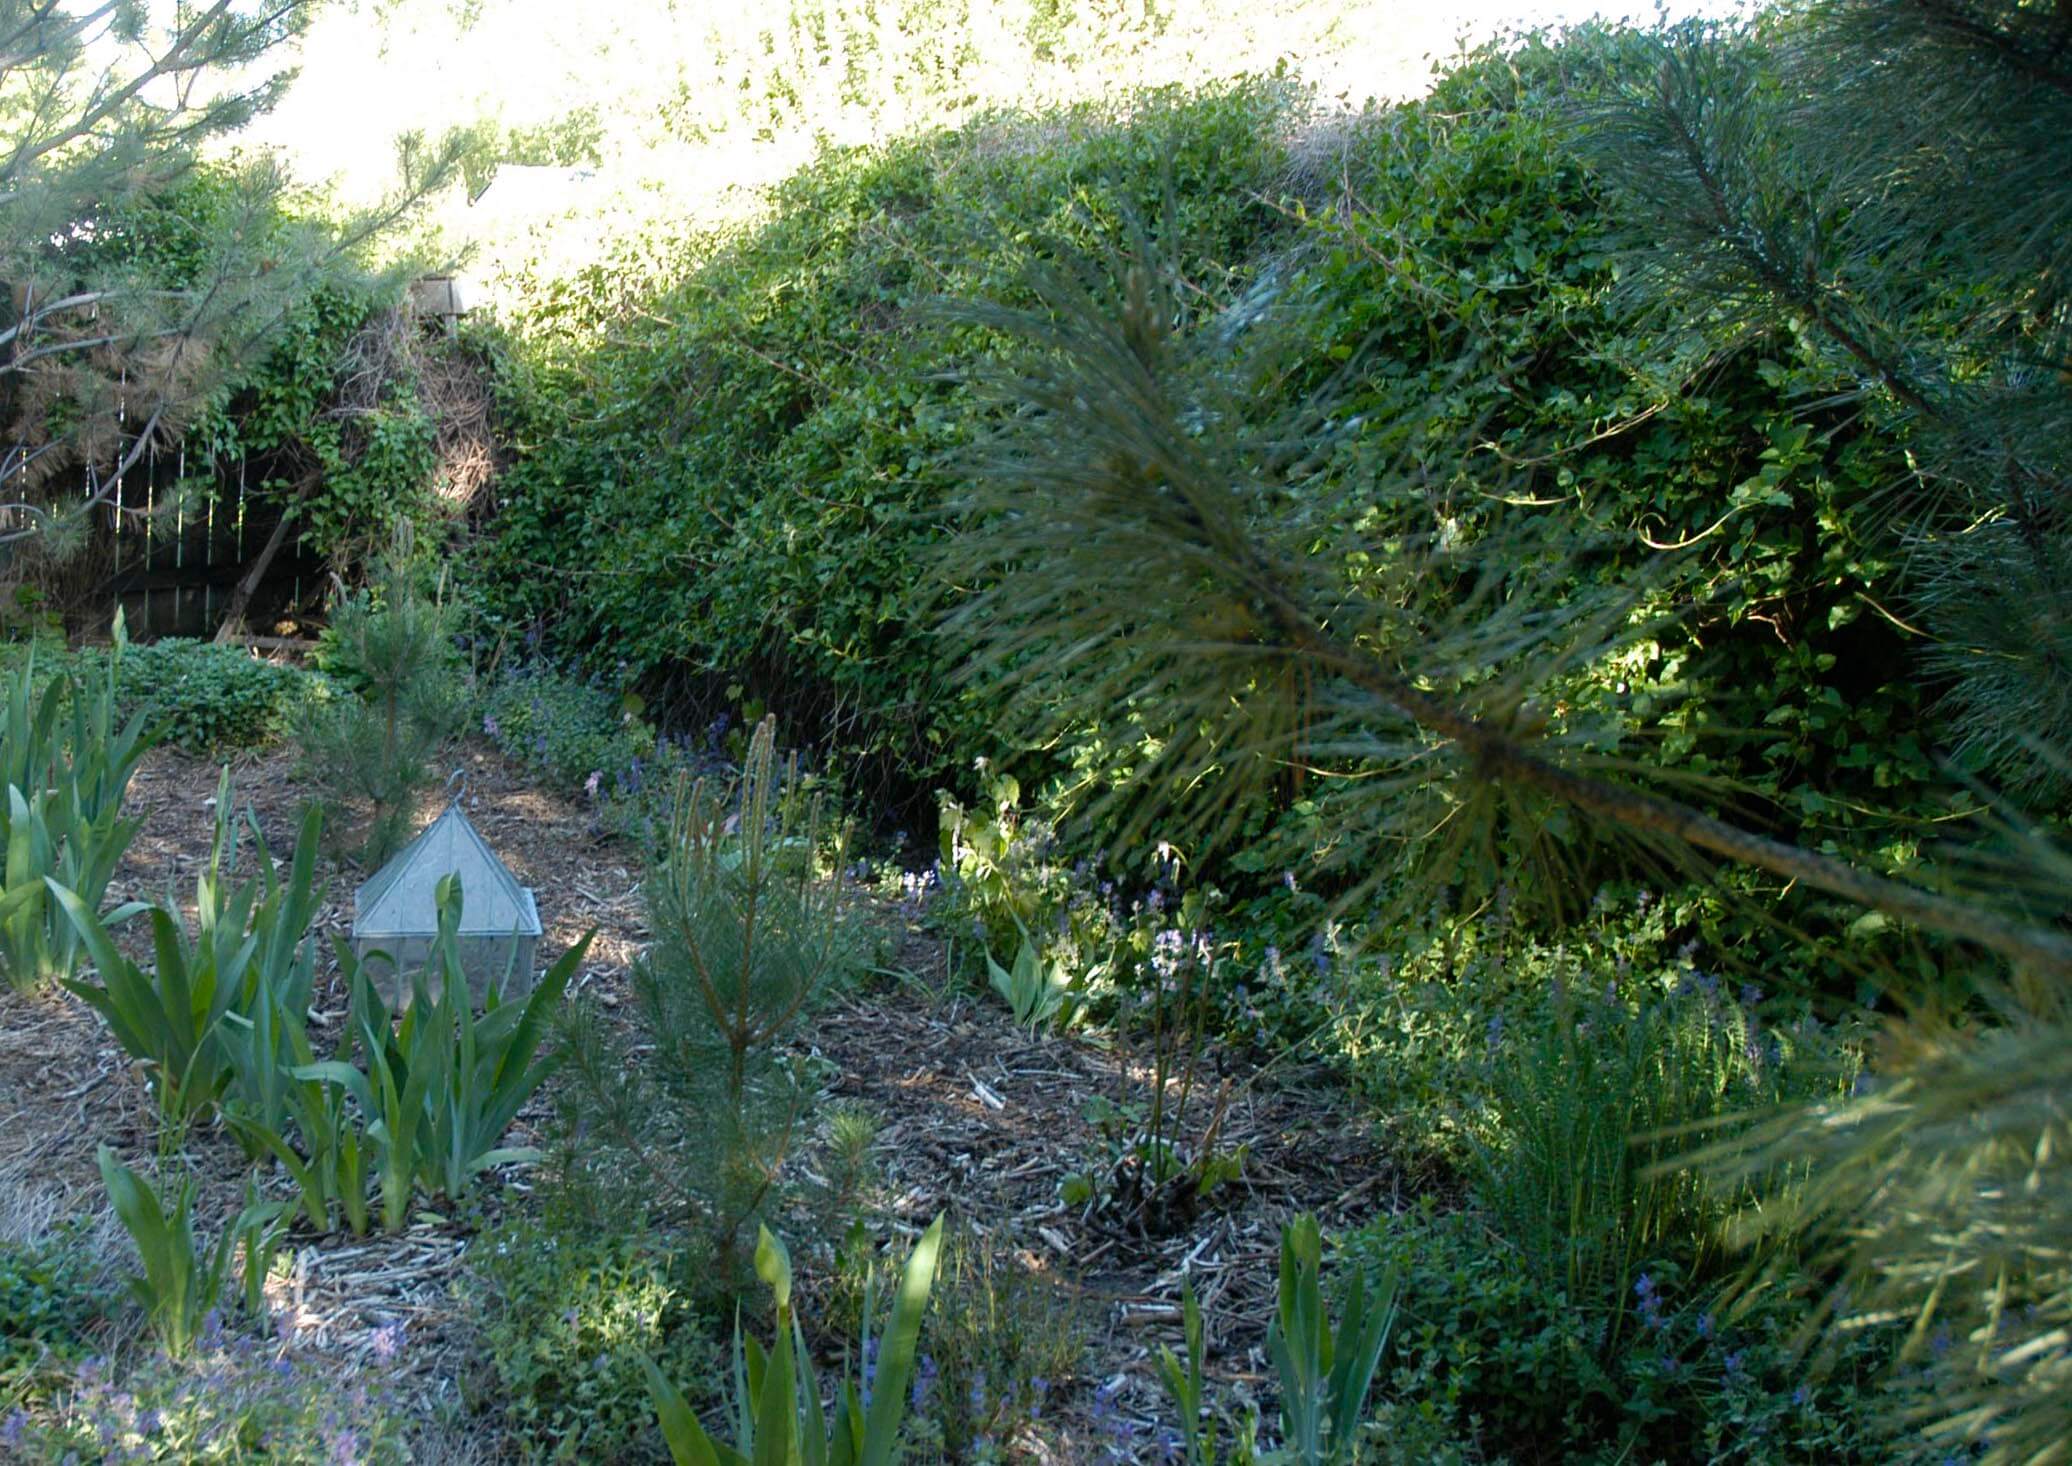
1499, 756
1954, 21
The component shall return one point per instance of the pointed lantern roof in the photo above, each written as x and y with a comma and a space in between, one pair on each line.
403, 895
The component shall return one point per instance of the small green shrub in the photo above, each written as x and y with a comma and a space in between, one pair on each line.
1488, 1360
231, 1400
567, 1313
207, 697
570, 730
373, 752
49, 1305
751, 933
999, 1337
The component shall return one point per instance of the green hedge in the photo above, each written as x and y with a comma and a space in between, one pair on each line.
732, 448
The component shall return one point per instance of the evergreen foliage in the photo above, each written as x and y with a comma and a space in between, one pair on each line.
138, 288
1780, 193
1139, 540
393, 646
749, 936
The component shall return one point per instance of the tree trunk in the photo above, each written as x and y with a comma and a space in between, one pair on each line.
233, 623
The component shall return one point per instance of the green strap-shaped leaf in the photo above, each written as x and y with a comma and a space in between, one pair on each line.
897, 1350
688, 1444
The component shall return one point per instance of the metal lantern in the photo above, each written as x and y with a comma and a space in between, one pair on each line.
396, 913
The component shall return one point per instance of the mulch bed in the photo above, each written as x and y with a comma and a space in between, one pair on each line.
976, 1116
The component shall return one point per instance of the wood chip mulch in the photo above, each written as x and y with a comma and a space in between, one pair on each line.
975, 1116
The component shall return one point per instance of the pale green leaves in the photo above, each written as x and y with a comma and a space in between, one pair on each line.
778, 1416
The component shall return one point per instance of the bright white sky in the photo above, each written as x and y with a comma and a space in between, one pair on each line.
527, 61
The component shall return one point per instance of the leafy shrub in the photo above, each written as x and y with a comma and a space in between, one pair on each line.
569, 730
49, 1304
567, 1313
205, 697
231, 1400
802, 510
1488, 1360
588, 740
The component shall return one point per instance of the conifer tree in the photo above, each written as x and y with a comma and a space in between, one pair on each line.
128, 302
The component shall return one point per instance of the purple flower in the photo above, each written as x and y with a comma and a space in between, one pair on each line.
1650, 1302
489, 725
590, 784
389, 1340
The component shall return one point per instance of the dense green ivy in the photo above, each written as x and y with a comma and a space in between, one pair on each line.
1496, 357
348, 478
732, 451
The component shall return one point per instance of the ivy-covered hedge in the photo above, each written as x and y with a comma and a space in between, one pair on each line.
732, 451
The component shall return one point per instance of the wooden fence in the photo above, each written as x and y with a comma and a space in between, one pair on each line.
174, 548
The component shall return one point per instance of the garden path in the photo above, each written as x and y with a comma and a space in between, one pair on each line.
976, 1116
